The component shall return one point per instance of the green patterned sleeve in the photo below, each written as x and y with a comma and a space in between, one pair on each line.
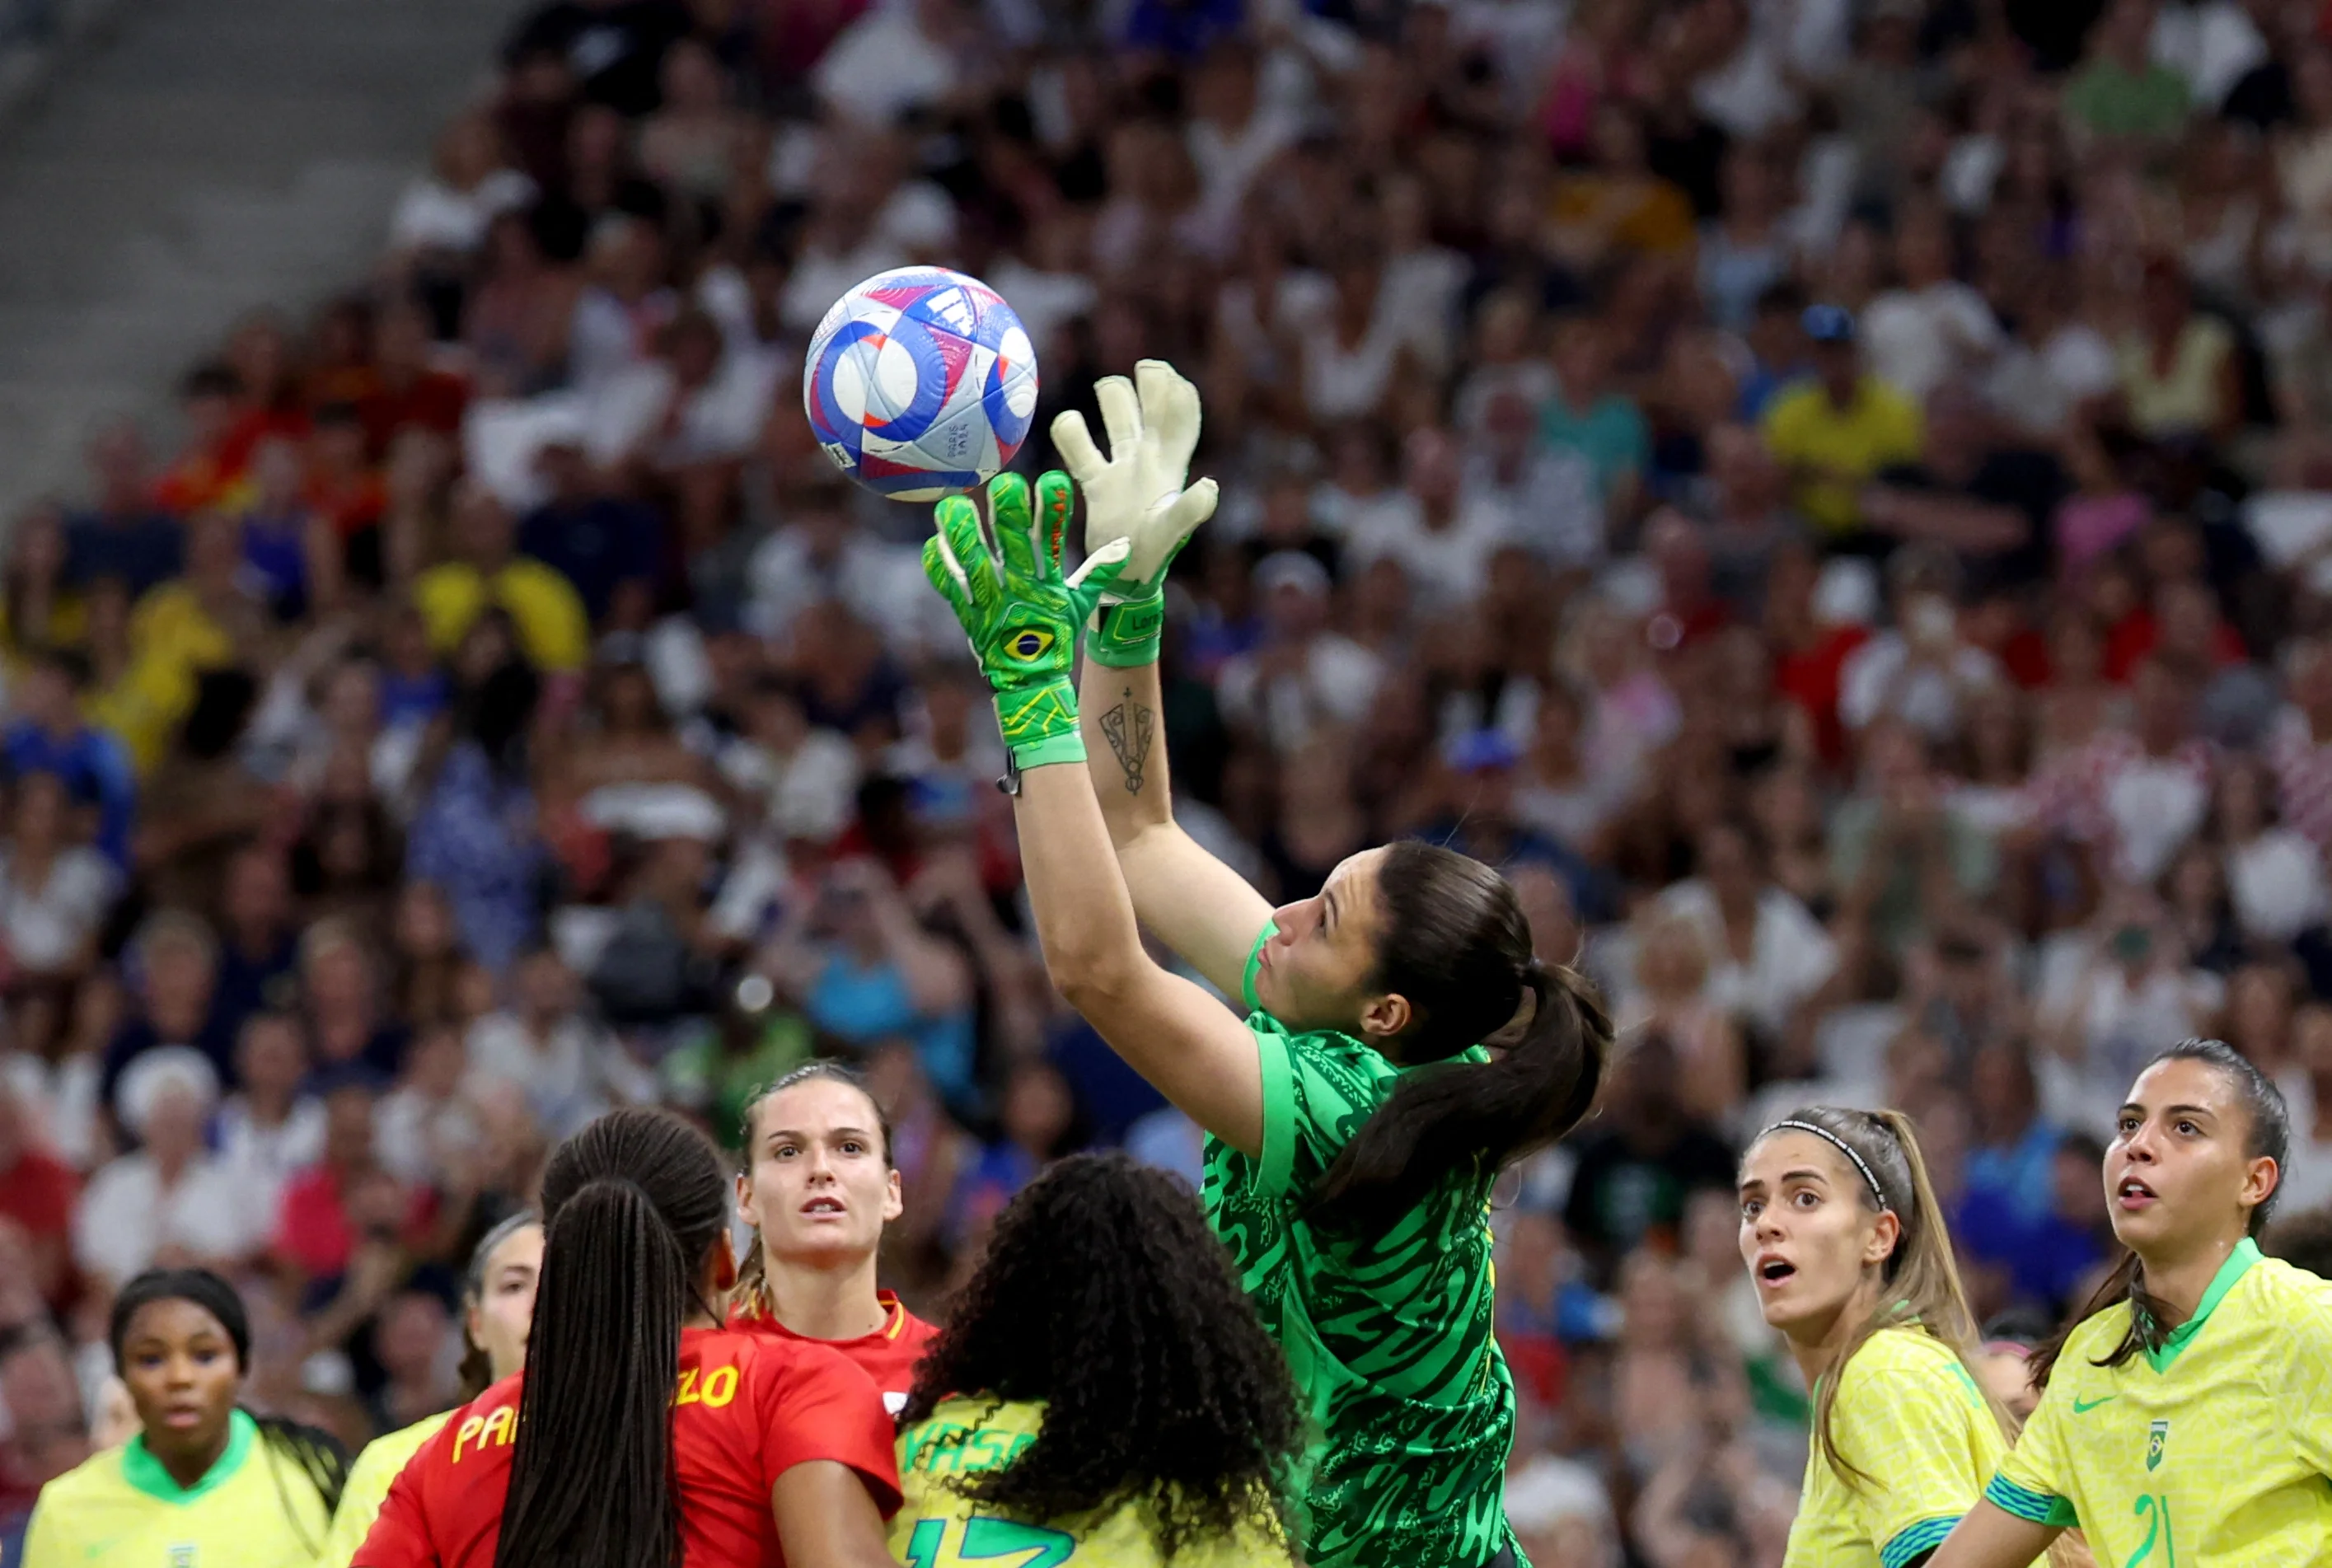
2030, 1481
1317, 1090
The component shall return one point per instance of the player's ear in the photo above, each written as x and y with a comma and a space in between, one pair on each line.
1886, 1233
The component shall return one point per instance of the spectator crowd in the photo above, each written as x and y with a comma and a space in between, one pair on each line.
1834, 496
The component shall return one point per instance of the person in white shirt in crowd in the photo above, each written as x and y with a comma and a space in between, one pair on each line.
804, 778
2306, 1086
425, 1127
867, 217
1445, 534
822, 554
1356, 495
468, 185
1930, 328
268, 1128
1769, 956
54, 893
897, 59
571, 1067
2109, 997
1232, 135
1920, 669
616, 318
1548, 495
2275, 877
693, 402
170, 1201
1302, 677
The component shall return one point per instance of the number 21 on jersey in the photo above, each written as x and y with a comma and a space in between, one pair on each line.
1006, 1543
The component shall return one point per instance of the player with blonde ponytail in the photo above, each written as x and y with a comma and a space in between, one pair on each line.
1846, 1248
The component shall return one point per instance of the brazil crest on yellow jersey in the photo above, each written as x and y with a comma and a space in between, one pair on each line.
1908, 1417
2214, 1451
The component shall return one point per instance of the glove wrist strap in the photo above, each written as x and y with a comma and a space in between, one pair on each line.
1126, 636
1040, 723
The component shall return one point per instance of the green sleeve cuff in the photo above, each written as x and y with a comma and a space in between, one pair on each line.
1125, 636
1916, 1543
2038, 1507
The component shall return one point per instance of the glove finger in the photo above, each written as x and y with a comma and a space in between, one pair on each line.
1121, 414
1055, 499
1190, 509
1075, 445
947, 575
1170, 412
958, 523
1014, 525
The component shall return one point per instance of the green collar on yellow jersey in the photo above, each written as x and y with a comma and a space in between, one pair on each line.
2238, 1264
145, 1473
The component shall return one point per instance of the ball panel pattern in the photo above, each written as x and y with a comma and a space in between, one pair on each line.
920, 382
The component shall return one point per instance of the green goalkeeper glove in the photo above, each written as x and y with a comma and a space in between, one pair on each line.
1018, 612
1137, 494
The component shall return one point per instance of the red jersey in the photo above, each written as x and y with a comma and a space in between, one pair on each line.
748, 1408
888, 1356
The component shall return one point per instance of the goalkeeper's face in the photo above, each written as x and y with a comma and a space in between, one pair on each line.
820, 1187
1314, 972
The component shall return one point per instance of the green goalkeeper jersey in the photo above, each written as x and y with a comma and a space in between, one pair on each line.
1391, 1342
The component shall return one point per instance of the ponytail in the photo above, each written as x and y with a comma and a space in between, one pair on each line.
632, 1205
1921, 1278
2267, 1136
1477, 1117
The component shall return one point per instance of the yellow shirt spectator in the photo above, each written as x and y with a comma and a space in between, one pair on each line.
1835, 449
551, 625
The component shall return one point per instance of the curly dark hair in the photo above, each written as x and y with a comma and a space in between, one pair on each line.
1103, 1294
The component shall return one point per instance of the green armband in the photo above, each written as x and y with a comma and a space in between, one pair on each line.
1040, 723
1125, 636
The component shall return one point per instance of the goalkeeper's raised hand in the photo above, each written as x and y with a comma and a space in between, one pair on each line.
1004, 583
1137, 494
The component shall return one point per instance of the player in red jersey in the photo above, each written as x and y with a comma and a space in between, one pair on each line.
643, 1434
817, 1187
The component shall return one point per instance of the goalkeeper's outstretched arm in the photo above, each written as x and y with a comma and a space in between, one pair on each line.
1194, 904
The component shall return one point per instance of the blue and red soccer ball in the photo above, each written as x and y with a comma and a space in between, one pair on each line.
921, 382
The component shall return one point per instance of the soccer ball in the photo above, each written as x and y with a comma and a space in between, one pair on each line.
920, 383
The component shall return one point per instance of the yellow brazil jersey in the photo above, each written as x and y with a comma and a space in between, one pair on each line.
1839, 449
255, 1509
1908, 1417
2215, 1452
551, 625
369, 1479
939, 1527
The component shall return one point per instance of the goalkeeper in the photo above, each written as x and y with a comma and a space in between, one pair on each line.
1401, 1045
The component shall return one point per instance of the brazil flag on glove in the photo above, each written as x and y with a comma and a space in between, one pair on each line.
1022, 617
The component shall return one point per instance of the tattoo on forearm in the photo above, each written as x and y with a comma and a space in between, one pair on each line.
1128, 727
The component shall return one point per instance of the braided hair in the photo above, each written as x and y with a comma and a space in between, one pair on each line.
1103, 1296
632, 1205
315, 1454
